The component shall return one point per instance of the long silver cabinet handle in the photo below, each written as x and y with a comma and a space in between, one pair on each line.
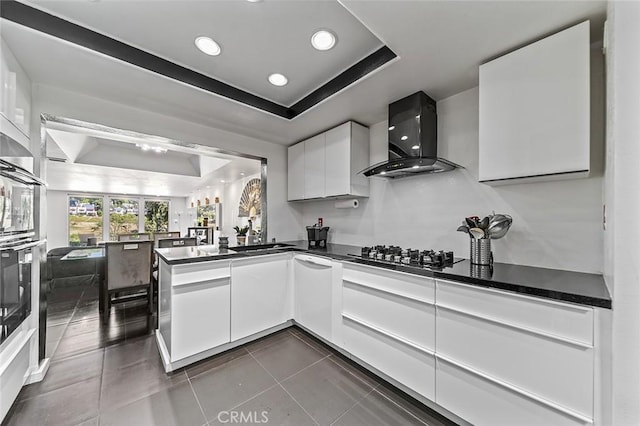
23, 246
314, 260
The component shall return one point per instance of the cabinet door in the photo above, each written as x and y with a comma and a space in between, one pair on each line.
261, 295
535, 109
314, 294
338, 160
201, 317
314, 165
295, 174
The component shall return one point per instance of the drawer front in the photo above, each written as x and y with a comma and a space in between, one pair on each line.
564, 320
412, 367
407, 318
554, 370
199, 272
420, 288
12, 377
482, 402
200, 318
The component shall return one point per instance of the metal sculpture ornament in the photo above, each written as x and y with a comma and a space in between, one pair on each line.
249, 205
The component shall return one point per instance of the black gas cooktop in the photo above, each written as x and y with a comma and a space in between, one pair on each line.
427, 259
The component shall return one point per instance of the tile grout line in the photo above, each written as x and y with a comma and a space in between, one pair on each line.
401, 407
357, 402
284, 389
204, 416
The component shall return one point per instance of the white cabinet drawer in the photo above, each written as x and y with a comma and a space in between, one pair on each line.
405, 317
564, 320
552, 369
411, 286
481, 401
201, 317
411, 366
194, 273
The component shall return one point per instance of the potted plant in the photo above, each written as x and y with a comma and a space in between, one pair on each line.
241, 234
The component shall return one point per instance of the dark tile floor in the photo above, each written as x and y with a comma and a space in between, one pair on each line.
113, 375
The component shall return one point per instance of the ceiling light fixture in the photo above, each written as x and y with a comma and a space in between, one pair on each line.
415, 167
156, 149
323, 40
415, 147
221, 180
392, 127
404, 138
278, 79
208, 45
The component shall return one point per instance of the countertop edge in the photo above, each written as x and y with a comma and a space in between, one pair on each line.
514, 287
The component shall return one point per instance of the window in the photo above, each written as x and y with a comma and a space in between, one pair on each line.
156, 216
123, 217
85, 219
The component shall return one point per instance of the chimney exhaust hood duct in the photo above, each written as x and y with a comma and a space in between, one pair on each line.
413, 143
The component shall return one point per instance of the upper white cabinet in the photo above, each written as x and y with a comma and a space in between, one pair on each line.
534, 110
327, 164
15, 99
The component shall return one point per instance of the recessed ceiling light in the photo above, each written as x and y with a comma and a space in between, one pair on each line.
278, 79
323, 40
147, 147
383, 173
221, 180
392, 127
415, 167
415, 147
242, 174
404, 138
208, 45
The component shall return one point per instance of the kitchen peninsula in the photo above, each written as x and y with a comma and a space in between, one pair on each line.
442, 336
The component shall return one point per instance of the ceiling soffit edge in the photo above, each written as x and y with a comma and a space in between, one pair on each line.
44, 22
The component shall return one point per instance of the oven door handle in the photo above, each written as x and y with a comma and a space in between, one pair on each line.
23, 246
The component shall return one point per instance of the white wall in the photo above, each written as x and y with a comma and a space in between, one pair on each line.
284, 220
622, 243
556, 224
58, 218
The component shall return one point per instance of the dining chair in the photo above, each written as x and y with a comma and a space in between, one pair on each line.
134, 237
169, 243
162, 235
177, 242
127, 268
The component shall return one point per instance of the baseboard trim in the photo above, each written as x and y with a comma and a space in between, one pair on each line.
38, 374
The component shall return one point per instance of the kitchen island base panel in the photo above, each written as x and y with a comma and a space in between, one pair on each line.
173, 365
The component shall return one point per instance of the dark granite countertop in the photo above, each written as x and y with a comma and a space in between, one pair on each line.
568, 286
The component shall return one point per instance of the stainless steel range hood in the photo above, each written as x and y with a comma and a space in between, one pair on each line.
413, 140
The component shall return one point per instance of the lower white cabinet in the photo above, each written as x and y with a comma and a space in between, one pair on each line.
531, 369
389, 323
315, 293
409, 364
261, 294
481, 401
197, 308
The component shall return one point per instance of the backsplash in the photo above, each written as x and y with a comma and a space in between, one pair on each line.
556, 224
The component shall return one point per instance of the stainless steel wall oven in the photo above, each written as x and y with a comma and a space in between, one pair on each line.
17, 239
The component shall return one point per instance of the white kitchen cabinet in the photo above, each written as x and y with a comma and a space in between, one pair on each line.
314, 167
195, 307
389, 323
261, 294
535, 110
295, 167
327, 164
483, 402
540, 353
15, 99
316, 298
